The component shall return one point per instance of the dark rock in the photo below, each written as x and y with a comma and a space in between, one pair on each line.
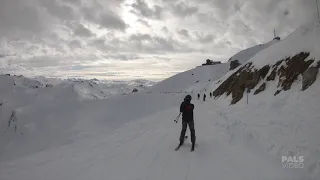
260, 89
272, 75
294, 67
247, 77
309, 77
277, 38
211, 62
264, 71
237, 83
135, 90
277, 92
234, 64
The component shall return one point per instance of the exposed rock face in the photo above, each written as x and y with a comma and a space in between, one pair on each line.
309, 77
294, 67
260, 89
234, 64
247, 77
241, 80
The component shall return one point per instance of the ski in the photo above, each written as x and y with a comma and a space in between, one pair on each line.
177, 148
192, 149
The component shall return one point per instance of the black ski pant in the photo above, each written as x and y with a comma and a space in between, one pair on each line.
186, 123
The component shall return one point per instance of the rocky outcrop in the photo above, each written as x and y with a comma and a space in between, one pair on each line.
309, 77
241, 80
260, 89
135, 90
234, 64
294, 67
211, 62
247, 77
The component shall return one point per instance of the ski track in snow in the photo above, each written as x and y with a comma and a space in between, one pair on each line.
144, 150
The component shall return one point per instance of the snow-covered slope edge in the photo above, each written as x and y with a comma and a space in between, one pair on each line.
246, 54
194, 80
276, 99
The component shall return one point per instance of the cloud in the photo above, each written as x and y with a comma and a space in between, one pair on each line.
157, 44
144, 22
141, 8
103, 17
164, 29
112, 21
82, 31
183, 33
204, 38
183, 10
75, 44
59, 10
19, 17
47, 36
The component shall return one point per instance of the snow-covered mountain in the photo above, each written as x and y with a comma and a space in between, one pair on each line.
276, 99
59, 132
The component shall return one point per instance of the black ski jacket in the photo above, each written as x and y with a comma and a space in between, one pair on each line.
186, 108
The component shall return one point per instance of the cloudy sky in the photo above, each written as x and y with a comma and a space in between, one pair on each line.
136, 39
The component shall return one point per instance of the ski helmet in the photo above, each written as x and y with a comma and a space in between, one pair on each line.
188, 97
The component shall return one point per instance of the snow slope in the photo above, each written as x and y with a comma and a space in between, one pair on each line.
134, 136
144, 149
304, 39
194, 80
66, 108
244, 55
37, 110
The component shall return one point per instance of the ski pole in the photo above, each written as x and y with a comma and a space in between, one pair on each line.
176, 120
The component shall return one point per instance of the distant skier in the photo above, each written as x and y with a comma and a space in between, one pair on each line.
204, 97
198, 96
210, 95
186, 108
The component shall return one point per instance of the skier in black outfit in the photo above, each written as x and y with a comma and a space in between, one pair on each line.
210, 95
198, 96
186, 108
204, 97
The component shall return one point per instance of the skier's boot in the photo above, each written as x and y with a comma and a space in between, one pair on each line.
192, 148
